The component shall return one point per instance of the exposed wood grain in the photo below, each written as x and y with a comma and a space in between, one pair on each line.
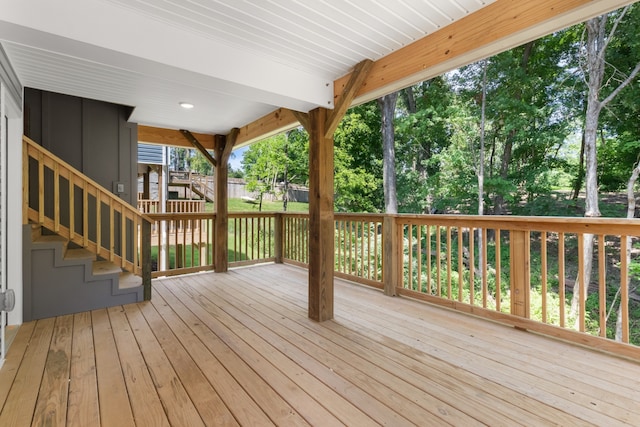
83, 408
54, 388
191, 335
21, 402
321, 223
114, 403
519, 273
239, 349
496, 27
172, 137
179, 408
145, 402
191, 138
14, 358
204, 397
222, 346
343, 100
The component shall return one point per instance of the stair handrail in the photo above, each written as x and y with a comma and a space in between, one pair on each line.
140, 237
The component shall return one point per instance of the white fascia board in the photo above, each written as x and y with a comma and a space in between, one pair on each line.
107, 33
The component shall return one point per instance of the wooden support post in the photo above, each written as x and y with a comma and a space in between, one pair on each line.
146, 185
278, 228
223, 147
519, 256
321, 225
179, 254
389, 255
146, 259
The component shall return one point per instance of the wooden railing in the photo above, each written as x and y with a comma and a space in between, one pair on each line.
522, 270
358, 248
181, 243
517, 270
253, 237
177, 206
62, 199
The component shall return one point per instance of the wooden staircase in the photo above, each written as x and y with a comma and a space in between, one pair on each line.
83, 247
66, 279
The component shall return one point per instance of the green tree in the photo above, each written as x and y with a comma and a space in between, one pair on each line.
358, 161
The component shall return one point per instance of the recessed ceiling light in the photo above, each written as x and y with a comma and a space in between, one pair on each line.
186, 105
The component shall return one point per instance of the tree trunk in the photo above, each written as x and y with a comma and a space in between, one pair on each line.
580, 178
388, 107
595, 59
481, 162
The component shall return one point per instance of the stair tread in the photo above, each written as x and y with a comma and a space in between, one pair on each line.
105, 267
129, 280
79, 254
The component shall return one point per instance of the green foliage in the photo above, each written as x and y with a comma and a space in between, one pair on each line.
276, 159
358, 161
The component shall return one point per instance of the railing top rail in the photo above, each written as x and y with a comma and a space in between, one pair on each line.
252, 214
606, 226
125, 206
358, 216
180, 215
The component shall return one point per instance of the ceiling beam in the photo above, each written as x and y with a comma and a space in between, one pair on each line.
495, 28
276, 122
172, 137
194, 141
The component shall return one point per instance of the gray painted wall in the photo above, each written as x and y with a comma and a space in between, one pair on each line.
93, 136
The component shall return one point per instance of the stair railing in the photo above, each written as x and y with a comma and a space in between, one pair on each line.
67, 202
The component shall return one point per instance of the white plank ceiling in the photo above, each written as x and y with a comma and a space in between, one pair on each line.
235, 60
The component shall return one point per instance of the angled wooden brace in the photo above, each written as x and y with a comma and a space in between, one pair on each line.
194, 141
357, 78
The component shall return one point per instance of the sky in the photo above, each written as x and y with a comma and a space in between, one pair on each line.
236, 158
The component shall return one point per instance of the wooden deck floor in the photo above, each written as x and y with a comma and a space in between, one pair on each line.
238, 349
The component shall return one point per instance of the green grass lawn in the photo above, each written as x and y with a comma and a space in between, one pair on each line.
239, 205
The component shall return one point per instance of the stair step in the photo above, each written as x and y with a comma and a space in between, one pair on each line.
105, 267
129, 280
79, 254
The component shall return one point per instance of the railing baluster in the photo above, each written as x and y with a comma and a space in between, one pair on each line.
98, 222
485, 289
56, 198
543, 274
561, 280
41, 208
112, 226
85, 214
583, 286
419, 256
498, 262
123, 239
72, 207
624, 287
460, 264
410, 240
472, 264
449, 261
602, 284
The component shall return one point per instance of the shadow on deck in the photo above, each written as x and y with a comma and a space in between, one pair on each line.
238, 348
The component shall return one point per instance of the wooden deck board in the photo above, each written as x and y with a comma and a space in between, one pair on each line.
113, 398
84, 409
51, 407
238, 349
